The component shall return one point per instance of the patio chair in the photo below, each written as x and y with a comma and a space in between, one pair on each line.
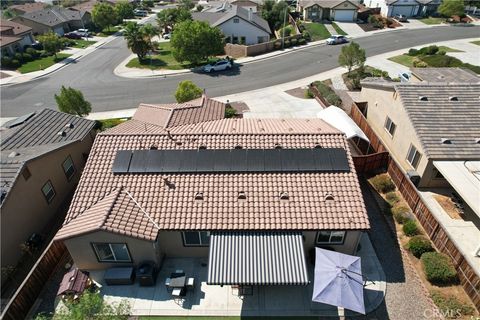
190, 283
177, 295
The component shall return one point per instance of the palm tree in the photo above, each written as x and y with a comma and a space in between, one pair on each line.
137, 40
149, 32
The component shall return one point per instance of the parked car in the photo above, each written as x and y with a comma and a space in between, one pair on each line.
72, 35
167, 36
400, 18
220, 65
83, 32
140, 13
37, 45
336, 39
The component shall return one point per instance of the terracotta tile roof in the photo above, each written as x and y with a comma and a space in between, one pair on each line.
11, 28
170, 199
29, 7
153, 118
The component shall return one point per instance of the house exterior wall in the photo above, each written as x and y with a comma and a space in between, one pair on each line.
383, 102
313, 13
243, 29
25, 210
84, 256
407, 7
37, 28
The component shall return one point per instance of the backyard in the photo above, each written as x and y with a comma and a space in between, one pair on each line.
317, 31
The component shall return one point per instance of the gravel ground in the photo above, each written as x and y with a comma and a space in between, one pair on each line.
338, 83
406, 298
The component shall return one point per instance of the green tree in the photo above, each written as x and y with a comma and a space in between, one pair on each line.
72, 101
8, 14
51, 43
149, 31
352, 55
104, 15
91, 306
124, 10
450, 8
167, 18
274, 13
195, 41
137, 40
186, 91
187, 4
199, 8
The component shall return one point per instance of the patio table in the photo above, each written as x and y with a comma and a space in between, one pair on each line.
177, 280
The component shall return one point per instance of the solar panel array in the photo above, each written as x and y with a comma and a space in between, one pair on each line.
231, 160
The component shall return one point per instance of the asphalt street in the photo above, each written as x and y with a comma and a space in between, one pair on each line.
93, 74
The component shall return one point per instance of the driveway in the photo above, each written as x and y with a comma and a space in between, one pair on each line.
351, 28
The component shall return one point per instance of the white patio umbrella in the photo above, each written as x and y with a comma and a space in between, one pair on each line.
338, 280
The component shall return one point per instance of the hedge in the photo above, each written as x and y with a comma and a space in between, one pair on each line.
383, 183
410, 228
418, 245
439, 269
401, 214
328, 93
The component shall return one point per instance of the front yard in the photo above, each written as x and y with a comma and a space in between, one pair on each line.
317, 31
163, 59
42, 63
432, 20
80, 43
338, 29
477, 42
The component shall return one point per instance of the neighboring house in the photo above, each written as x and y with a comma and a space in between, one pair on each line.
246, 4
409, 8
14, 37
238, 24
20, 9
318, 10
85, 6
56, 19
424, 122
218, 189
42, 156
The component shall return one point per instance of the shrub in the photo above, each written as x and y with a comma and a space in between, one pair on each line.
378, 73
34, 53
285, 31
447, 303
410, 228
372, 19
442, 52
440, 61
430, 50
383, 183
286, 43
277, 45
389, 22
392, 198
439, 269
413, 52
309, 94
378, 25
44, 54
230, 112
417, 63
418, 245
18, 56
294, 42
27, 57
302, 41
6, 62
401, 214
306, 35
15, 63
333, 99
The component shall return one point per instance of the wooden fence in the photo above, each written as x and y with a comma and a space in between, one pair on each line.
28, 292
439, 236
371, 162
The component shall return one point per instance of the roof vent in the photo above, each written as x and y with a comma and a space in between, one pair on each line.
453, 98
242, 195
69, 125
278, 146
423, 98
153, 147
168, 183
199, 196
13, 154
202, 147
238, 146
317, 146
446, 141
61, 133
477, 140
284, 196
329, 197
178, 143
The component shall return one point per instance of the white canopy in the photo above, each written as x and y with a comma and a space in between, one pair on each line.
340, 120
464, 177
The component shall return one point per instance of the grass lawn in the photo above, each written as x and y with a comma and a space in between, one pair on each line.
108, 32
338, 29
317, 31
432, 20
448, 49
80, 43
477, 42
42, 63
404, 59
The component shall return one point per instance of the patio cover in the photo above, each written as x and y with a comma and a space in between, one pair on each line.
464, 177
256, 258
340, 120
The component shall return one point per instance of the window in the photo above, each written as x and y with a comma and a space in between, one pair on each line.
112, 252
413, 156
48, 191
390, 126
196, 238
236, 20
68, 168
260, 39
243, 40
330, 237
234, 40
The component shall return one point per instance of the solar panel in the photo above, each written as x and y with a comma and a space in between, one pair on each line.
122, 161
138, 163
255, 160
234, 160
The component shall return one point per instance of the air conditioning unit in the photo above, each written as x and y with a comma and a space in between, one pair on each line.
414, 177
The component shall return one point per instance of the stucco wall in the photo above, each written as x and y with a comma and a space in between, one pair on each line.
25, 210
243, 29
83, 254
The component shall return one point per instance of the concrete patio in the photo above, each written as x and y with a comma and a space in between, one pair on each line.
224, 300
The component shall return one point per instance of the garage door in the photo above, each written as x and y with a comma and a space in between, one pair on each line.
344, 15
405, 10
59, 31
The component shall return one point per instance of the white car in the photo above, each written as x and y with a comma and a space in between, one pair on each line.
336, 39
218, 66
167, 36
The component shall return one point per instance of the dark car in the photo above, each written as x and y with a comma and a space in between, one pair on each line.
400, 18
73, 35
